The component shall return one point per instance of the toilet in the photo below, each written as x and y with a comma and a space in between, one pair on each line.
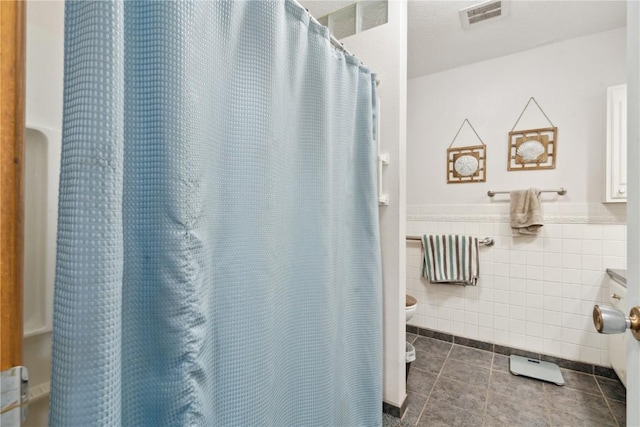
410, 307
410, 352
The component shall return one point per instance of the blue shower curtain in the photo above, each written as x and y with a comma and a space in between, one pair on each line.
218, 248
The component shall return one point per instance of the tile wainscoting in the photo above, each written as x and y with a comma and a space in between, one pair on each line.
534, 293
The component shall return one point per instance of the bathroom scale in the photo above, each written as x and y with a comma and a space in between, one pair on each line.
538, 369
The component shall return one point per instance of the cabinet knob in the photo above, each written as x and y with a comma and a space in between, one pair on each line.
622, 190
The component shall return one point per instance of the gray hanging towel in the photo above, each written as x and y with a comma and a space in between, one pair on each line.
525, 212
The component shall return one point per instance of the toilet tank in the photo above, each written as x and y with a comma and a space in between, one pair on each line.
618, 342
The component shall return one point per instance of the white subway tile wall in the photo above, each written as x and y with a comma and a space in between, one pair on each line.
534, 293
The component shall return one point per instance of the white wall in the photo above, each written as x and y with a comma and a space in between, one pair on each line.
534, 293
384, 49
569, 81
44, 81
45, 57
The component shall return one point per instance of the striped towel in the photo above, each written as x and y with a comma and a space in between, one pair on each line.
450, 259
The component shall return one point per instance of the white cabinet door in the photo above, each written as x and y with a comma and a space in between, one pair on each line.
616, 168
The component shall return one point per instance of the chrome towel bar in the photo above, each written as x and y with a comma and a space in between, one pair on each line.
487, 241
561, 191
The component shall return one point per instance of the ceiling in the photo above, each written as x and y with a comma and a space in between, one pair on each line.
437, 41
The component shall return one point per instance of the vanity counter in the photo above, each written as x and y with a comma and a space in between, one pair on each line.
618, 275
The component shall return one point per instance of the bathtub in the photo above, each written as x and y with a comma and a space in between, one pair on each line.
41, 179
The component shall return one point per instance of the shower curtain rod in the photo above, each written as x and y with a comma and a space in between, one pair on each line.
334, 41
337, 44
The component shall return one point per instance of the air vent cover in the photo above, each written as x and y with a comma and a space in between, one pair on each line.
481, 12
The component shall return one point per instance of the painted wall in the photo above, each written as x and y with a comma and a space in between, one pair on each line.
534, 293
384, 49
569, 81
45, 60
45, 54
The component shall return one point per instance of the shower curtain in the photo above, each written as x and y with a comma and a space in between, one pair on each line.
218, 254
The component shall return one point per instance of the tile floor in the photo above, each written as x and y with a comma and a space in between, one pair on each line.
452, 385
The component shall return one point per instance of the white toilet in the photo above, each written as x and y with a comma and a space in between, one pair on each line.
411, 305
410, 352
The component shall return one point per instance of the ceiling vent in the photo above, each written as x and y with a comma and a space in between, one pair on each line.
483, 11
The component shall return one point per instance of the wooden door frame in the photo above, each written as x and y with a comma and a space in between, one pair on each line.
12, 116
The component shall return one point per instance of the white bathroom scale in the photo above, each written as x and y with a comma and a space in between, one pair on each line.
538, 369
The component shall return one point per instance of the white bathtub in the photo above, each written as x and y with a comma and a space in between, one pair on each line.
42, 175
42, 170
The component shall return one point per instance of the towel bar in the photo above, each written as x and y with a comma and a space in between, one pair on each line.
562, 191
487, 241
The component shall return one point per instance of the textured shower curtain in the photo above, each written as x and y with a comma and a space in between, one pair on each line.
218, 249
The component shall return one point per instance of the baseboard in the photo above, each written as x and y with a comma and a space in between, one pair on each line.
395, 411
601, 371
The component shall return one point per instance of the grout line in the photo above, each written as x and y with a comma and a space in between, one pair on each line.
486, 400
545, 387
544, 401
578, 389
434, 385
606, 401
